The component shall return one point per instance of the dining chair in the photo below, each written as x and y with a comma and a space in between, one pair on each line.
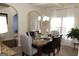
51, 46
59, 43
32, 34
47, 49
54, 33
26, 45
27, 33
37, 35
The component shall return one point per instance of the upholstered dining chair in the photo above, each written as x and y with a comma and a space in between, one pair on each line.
26, 44
51, 46
32, 34
54, 33
59, 43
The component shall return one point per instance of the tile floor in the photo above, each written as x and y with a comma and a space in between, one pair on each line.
65, 51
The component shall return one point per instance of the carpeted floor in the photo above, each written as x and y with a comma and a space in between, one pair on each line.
65, 51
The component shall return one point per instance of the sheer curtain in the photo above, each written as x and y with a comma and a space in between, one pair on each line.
67, 24
55, 24
62, 20
63, 25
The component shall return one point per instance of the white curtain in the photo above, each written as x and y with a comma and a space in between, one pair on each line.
55, 24
63, 20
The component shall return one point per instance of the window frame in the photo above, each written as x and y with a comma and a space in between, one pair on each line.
61, 26
1, 14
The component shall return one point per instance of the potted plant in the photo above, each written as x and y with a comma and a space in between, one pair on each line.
74, 33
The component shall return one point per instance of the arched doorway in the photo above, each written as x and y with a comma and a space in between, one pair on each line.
33, 21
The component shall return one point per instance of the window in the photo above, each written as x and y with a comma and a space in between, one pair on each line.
67, 24
3, 23
55, 24
62, 24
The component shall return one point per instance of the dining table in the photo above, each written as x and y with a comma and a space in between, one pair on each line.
39, 43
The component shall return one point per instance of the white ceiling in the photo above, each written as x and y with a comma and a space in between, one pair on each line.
44, 5
47, 5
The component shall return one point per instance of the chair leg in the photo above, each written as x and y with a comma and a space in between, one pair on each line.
58, 49
22, 53
48, 54
54, 53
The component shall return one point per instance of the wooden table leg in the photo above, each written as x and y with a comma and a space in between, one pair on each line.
39, 51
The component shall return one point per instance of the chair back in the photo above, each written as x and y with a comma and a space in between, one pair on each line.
59, 41
51, 46
26, 43
32, 34
56, 41
27, 33
55, 33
